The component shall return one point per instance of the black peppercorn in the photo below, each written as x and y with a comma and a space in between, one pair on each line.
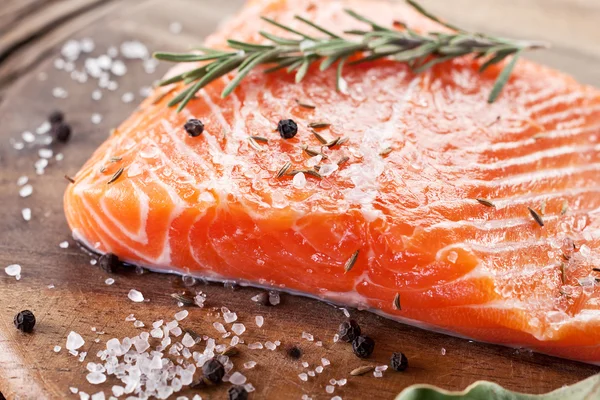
399, 362
294, 352
62, 132
287, 128
213, 370
56, 117
348, 330
109, 262
25, 321
237, 393
194, 127
363, 346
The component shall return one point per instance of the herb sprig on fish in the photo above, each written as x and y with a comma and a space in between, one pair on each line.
419, 50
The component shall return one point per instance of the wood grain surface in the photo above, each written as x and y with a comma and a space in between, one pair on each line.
32, 32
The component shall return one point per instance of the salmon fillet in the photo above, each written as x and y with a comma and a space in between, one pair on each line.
211, 205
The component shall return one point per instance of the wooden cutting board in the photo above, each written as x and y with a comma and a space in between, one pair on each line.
66, 293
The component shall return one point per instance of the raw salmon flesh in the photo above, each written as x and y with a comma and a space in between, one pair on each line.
212, 205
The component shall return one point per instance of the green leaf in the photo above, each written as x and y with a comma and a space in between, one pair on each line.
431, 63
264, 57
328, 62
282, 63
482, 390
317, 27
279, 39
503, 78
375, 25
287, 28
432, 17
302, 70
496, 59
189, 57
236, 44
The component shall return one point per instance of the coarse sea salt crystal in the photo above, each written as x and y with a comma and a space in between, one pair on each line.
381, 368
130, 318
59, 157
249, 364
311, 373
60, 93
305, 364
118, 68
13, 270
108, 281
26, 213
181, 315
328, 169
443, 351
96, 378
234, 340
219, 327
134, 49
63, 245
28, 137
127, 97
342, 382
237, 379
57, 349
134, 169
135, 296
229, 317
26, 191
96, 118
238, 328
329, 389
156, 333
255, 346
338, 397
96, 95
346, 313
45, 153
176, 331
188, 340
307, 336
74, 341
73, 390
303, 377
270, 345
299, 180
43, 128
319, 369
139, 324
325, 362
259, 319
377, 374
157, 324
22, 180
452, 257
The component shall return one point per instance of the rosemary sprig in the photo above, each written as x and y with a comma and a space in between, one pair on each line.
420, 50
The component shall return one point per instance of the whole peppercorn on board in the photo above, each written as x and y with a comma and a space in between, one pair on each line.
67, 294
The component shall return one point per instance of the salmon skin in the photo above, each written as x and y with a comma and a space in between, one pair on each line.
421, 150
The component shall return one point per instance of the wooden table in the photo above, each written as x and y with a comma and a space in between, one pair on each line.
32, 33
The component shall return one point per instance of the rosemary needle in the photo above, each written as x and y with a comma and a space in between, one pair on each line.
420, 50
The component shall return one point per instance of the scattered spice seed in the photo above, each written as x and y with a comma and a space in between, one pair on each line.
319, 137
260, 138
399, 362
362, 370
311, 172
230, 351
237, 393
287, 128
536, 216
283, 169
193, 334
102, 169
342, 141
596, 269
294, 352
348, 331
25, 321
343, 160
363, 346
319, 124
253, 143
486, 203
305, 105
109, 262
385, 151
67, 177
313, 152
565, 257
56, 117
115, 159
397, 302
115, 176
185, 300
351, 261
563, 276
62, 132
333, 142
564, 208
213, 370
194, 127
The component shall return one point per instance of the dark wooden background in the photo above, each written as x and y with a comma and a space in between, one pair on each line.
31, 35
